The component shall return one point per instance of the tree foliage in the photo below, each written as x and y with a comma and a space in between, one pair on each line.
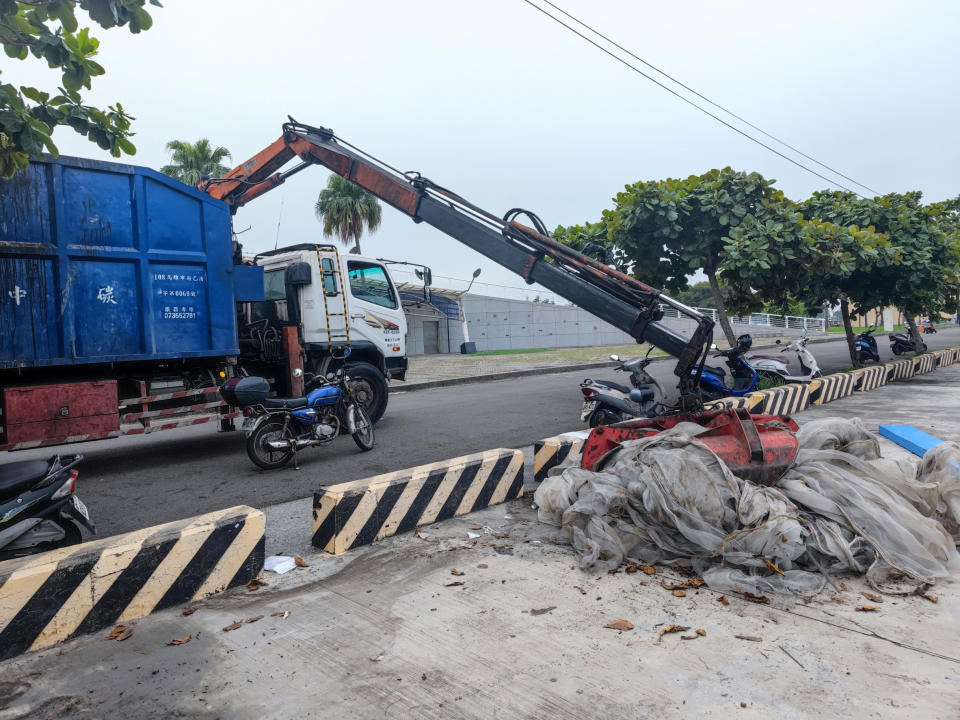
345, 209
190, 162
49, 30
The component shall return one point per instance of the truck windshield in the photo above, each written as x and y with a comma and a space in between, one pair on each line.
369, 282
273, 285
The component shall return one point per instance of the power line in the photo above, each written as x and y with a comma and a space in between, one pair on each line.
705, 98
690, 102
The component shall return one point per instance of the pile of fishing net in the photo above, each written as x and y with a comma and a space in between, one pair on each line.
840, 508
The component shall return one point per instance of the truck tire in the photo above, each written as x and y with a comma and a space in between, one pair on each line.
370, 387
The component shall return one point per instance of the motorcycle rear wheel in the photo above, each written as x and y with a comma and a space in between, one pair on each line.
363, 437
263, 456
897, 350
603, 416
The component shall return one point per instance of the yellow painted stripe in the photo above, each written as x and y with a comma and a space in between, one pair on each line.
545, 453
243, 544
94, 586
367, 506
409, 494
443, 492
490, 459
500, 494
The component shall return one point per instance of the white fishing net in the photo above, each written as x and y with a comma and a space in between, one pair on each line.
839, 508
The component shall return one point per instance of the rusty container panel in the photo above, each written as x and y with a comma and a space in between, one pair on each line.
47, 412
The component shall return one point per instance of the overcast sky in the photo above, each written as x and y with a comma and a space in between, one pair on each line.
495, 101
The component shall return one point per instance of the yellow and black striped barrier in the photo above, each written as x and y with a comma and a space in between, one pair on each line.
831, 387
551, 451
748, 402
945, 357
783, 400
869, 378
357, 513
900, 370
48, 598
924, 363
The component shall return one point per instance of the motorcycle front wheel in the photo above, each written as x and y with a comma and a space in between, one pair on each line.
897, 350
363, 437
261, 454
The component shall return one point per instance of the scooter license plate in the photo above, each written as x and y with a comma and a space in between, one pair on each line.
81, 508
248, 425
588, 407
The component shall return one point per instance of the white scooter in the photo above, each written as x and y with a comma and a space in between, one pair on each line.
776, 367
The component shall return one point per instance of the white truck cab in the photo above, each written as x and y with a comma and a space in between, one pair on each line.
338, 300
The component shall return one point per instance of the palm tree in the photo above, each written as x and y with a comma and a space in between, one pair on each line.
345, 208
191, 162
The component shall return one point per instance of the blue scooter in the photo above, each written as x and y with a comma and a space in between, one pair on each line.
714, 383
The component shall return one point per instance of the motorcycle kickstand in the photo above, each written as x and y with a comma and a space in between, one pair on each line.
296, 460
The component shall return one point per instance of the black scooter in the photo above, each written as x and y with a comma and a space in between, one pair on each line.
902, 342
866, 346
38, 508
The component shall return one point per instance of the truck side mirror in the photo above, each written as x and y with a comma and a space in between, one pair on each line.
297, 273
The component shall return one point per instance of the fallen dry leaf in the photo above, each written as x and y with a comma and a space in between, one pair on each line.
189, 611
701, 632
865, 608
693, 582
282, 615
582, 591
872, 596
456, 572
116, 632
679, 593
124, 634
759, 599
751, 638
232, 626
476, 527
253, 619
300, 561
742, 613
673, 629
723, 600
689, 637
456, 583
543, 611
482, 566
181, 641
928, 596
420, 534
648, 569
622, 625
771, 566
255, 584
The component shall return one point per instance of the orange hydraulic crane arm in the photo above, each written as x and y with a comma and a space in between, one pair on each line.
613, 296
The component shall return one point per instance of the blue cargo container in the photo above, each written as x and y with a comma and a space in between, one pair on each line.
103, 263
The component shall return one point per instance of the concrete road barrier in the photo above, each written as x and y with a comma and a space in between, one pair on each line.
869, 378
783, 400
899, 370
551, 451
945, 357
48, 598
924, 363
357, 513
831, 387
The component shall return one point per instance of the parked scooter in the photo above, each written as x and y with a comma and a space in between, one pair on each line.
865, 346
276, 428
902, 342
605, 401
714, 383
928, 327
775, 368
38, 508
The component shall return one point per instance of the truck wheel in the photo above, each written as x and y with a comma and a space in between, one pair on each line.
370, 388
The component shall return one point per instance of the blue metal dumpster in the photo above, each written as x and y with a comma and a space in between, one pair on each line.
103, 263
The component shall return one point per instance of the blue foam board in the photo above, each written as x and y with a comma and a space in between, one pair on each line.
907, 436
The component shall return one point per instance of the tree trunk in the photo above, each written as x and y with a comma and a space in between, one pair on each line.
914, 331
848, 331
721, 307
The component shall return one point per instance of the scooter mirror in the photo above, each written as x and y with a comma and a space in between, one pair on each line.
615, 358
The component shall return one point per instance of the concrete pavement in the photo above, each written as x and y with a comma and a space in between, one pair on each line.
518, 632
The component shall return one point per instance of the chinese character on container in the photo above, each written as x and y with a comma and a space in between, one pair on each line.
105, 295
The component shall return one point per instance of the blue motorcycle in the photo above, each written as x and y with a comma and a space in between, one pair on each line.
277, 428
714, 382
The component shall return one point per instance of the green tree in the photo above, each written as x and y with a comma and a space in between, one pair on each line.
190, 162
345, 209
49, 30
670, 229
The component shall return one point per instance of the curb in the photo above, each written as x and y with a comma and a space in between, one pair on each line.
54, 596
360, 512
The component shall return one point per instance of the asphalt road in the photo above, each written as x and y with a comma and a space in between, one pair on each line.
133, 482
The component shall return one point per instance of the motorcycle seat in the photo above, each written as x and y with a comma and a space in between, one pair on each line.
775, 358
613, 386
718, 371
285, 403
18, 476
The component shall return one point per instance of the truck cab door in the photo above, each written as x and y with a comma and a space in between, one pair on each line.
375, 311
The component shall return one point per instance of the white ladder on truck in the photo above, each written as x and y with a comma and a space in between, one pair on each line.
334, 301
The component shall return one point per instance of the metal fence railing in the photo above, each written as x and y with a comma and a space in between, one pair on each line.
792, 322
